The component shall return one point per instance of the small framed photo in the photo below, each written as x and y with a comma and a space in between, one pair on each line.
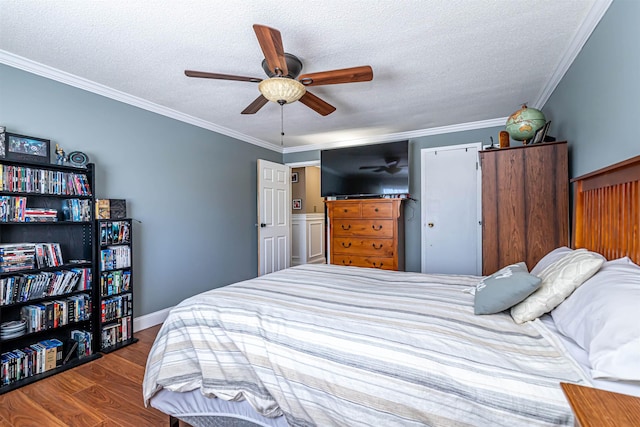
541, 133
25, 148
297, 203
294, 177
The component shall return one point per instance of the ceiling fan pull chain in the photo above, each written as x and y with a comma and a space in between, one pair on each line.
282, 125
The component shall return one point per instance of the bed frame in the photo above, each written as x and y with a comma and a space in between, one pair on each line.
606, 217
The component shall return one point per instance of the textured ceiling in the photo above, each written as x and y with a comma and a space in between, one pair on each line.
436, 63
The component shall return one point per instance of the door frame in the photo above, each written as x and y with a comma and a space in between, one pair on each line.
423, 207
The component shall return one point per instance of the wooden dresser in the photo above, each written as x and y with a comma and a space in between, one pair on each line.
525, 204
366, 233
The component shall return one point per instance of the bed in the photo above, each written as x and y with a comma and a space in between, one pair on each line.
332, 345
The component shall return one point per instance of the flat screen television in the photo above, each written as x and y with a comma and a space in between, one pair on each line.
376, 170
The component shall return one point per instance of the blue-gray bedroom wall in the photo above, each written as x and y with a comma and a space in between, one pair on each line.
412, 212
596, 104
193, 190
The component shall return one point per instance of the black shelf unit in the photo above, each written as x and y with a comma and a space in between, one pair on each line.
114, 283
23, 186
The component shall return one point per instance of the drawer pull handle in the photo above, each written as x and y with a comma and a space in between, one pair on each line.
377, 229
376, 247
376, 209
348, 227
346, 263
378, 266
346, 210
346, 246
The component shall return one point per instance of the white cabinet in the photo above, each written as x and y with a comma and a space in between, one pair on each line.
307, 239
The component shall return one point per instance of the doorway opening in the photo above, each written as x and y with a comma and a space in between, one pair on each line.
308, 217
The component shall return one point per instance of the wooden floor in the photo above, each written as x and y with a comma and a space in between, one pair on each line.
103, 392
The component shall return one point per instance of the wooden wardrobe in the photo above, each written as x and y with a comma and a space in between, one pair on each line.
525, 203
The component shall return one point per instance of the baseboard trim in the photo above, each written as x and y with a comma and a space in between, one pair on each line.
151, 319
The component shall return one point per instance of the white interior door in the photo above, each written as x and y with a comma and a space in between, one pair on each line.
274, 217
451, 210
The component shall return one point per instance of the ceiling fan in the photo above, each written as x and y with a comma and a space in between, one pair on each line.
392, 166
284, 84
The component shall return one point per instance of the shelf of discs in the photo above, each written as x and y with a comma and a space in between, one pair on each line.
47, 259
115, 283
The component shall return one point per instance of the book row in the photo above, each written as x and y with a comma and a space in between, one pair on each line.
115, 257
35, 359
76, 210
118, 332
42, 181
26, 256
115, 282
116, 307
14, 209
43, 356
54, 314
26, 287
115, 233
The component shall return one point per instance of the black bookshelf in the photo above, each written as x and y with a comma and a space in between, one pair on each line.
115, 283
47, 269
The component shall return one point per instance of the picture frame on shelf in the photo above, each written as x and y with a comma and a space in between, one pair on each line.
297, 204
541, 133
25, 148
294, 176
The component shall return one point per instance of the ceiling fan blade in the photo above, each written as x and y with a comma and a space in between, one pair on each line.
317, 104
345, 75
204, 75
255, 105
271, 45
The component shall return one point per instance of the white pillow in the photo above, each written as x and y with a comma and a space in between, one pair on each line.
550, 258
559, 280
602, 317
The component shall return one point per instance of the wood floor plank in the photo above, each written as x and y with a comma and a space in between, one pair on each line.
123, 366
136, 353
52, 398
129, 387
110, 404
19, 410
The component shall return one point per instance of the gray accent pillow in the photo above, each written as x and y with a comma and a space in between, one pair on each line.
504, 288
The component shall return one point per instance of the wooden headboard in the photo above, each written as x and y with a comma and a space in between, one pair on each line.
606, 213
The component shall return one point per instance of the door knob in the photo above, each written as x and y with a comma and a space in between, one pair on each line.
263, 225
430, 225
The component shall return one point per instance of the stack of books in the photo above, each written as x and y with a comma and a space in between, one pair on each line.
17, 256
40, 215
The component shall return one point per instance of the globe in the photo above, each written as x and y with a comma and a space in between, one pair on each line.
523, 124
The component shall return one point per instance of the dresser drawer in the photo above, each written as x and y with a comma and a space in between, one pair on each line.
363, 246
363, 261
350, 210
377, 210
363, 227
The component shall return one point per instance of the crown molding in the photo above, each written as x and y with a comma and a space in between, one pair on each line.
460, 127
99, 89
587, 27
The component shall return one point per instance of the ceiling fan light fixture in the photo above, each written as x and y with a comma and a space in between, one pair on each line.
281, 89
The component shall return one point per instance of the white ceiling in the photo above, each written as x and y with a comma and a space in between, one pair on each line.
438, 65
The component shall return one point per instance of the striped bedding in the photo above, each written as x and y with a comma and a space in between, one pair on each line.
330, 345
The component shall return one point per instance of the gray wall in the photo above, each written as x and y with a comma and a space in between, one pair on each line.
596, 106
193, 190
412, 213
